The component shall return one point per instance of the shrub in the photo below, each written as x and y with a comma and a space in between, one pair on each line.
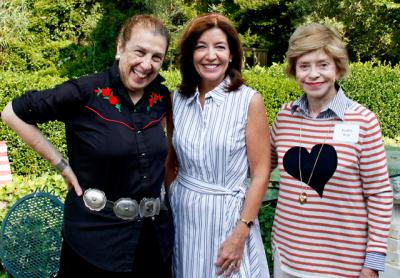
266, 218
377, 86
374, 85
272, 84
23, 160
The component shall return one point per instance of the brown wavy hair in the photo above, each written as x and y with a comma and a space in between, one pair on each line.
186, 47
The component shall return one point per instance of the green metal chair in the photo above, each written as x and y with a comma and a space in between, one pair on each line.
30, 242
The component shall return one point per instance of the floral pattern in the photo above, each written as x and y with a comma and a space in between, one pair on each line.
154, 99
107, 94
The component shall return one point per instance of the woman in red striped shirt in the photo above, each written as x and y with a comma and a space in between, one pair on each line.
335, 201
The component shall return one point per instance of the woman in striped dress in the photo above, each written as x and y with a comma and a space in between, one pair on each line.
334, 206
220, 136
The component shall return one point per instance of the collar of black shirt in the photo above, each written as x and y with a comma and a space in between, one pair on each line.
155, 86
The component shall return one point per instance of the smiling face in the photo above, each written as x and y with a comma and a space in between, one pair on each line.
141, 58
316, 74
211, 58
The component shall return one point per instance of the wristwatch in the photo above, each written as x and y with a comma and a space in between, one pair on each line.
249, 223
60, 166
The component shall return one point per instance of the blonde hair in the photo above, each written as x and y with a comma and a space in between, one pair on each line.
314, 36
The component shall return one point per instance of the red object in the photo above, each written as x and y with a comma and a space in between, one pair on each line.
113, 100
105, 92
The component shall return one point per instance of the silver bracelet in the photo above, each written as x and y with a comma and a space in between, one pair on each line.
60, 166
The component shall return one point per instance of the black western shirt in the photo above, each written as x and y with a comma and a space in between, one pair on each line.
115, 146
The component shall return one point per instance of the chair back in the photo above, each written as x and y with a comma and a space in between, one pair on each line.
30, 242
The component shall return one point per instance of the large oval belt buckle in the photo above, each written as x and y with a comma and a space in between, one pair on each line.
94, 199
149, 207
126, 208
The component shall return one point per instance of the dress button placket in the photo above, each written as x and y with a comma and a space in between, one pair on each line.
204, 112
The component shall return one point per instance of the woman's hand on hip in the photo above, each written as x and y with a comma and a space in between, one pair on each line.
231, 251
71, 180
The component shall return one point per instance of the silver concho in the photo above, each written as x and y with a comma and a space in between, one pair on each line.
149, 207
126, 208
94, 199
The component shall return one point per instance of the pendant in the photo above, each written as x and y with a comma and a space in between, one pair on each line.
303, 198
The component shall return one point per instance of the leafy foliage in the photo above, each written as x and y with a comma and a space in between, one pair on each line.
44, 28
45, 42
273, 85
71, 37
377, 86
23, 160
76, 37
370, 27
266, 218
24, 185
374, 85
265, 25
255, 4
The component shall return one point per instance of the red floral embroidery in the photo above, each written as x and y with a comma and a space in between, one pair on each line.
153, 99
151, 102
107, 94
113, 100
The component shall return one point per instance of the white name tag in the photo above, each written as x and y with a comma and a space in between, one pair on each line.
346, 132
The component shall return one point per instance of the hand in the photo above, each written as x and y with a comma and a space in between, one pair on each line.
171, 172
231, 251
71, 180
368, 273
170, 175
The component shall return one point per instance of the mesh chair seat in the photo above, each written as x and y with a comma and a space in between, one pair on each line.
30, 242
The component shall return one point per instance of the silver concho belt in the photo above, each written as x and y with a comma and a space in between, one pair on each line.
125, 208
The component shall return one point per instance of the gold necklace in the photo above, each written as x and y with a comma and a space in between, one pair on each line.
303, 195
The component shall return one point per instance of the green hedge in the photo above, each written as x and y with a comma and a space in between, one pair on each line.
23, 160
376, 86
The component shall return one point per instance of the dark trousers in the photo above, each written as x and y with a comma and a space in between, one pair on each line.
148, 262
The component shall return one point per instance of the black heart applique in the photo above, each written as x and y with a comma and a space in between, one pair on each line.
324, 168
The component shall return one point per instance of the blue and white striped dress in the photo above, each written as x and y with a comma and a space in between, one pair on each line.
208, 194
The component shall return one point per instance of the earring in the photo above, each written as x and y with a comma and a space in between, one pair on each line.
230, 61
117, 57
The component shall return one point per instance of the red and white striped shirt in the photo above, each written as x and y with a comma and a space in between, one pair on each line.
329, 235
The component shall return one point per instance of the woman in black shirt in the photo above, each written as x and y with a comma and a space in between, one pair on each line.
117, 220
